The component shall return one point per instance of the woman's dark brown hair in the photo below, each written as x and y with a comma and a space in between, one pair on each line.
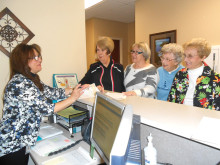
19, 62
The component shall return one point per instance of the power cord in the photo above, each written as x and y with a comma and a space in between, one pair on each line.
163, 163
65, 148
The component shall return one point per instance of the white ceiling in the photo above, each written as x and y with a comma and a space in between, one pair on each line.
116, 10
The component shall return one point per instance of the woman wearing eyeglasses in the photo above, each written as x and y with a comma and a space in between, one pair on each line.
196, 85
106, 74
26, 100
141, 78
171, 57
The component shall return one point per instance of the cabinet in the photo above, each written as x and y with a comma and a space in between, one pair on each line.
213, 59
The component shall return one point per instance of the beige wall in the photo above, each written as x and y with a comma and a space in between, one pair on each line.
191, 18
117, 30
59, 28
90, 42
131, 39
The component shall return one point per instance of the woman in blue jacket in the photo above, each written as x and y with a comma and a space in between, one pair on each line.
171, 57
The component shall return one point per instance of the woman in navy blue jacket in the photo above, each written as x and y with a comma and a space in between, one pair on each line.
106, 74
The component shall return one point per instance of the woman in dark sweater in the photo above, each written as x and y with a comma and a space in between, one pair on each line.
106, 74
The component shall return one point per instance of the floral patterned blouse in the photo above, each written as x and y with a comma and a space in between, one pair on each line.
24, 106
207, 90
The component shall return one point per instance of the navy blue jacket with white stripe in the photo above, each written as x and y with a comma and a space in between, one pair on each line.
111, 78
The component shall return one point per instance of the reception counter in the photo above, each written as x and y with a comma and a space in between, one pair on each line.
176, 130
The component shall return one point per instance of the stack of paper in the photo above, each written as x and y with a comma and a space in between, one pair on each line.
89, 92
71, 115
44, 147
70, 111
48, 131
116, 96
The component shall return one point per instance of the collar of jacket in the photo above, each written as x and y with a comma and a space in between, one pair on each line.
112, 62
207, 71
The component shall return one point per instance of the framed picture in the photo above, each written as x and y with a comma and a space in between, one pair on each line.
157, 40
12, 32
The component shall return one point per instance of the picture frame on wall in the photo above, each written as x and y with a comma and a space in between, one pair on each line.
157, 40
12, 32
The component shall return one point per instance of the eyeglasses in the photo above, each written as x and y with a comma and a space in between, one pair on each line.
36, 57
136, 52
165, 59
189, 56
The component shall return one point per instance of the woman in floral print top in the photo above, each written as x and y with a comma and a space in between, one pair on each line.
197, 84
26, 100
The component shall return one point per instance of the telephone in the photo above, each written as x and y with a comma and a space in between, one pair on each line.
86, 129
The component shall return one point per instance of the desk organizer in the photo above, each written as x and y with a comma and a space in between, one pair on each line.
71, 119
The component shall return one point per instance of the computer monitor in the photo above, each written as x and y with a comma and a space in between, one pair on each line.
111, 129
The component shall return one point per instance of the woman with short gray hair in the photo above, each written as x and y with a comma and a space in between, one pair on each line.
171, 56
141, 77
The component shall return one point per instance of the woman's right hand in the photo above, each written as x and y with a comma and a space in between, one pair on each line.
78, 91
129, 93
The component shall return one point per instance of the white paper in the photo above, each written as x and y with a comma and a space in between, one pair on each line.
116, 96
208, 132
89, 92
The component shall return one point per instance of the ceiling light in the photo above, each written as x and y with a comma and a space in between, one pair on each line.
89, 3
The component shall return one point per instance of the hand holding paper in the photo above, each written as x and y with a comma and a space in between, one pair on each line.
89, 92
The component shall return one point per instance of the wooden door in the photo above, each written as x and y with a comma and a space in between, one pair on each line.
116, 52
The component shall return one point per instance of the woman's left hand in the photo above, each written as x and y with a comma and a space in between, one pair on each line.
130, 93
101, 89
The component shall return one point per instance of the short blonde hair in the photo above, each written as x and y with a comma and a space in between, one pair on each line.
106, 43
201, 45
144, 48
174, 48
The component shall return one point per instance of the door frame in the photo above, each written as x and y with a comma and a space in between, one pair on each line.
121, 51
